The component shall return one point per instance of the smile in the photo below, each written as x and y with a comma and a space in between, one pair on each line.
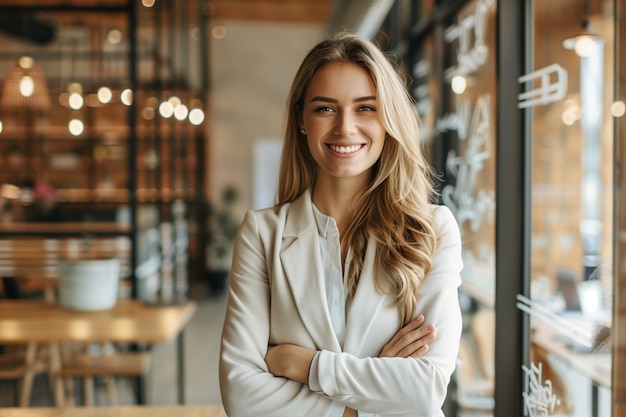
345, 149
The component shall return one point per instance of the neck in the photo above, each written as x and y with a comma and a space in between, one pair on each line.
336, 199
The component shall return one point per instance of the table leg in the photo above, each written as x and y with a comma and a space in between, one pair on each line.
181, 366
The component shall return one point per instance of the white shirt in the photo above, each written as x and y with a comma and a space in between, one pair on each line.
335, 293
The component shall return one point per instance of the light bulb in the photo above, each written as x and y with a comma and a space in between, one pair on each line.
76, 127
458, 84
76, 101
105, 95
196, 117
584, 46
127, 97
166, 109
27, 86
618, 109
181, 112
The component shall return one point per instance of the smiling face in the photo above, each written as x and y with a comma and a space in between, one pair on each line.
341, 122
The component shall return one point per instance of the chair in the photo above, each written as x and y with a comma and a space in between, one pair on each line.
14, 366
80, 362
14, 363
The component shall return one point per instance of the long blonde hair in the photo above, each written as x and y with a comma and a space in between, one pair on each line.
394, 209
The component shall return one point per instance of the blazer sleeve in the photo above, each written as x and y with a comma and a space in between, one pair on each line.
247, 387
408, 386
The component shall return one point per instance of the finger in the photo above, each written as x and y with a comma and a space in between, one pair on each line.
415, 335
411, 326
421, 351
411, 348
410, 342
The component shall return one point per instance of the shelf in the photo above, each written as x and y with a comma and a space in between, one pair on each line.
64, 228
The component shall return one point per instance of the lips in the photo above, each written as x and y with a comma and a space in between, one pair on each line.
345, 149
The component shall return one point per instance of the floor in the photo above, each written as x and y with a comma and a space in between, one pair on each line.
202, 338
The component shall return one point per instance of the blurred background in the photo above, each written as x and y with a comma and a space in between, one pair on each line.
143, 129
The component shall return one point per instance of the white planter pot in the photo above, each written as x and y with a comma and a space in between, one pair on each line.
88, 284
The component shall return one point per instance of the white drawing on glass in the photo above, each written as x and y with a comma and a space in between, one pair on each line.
466, 203
456, 121
539, 400
423, 101
469, 57
552, 86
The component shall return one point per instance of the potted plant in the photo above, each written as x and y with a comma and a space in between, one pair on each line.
222, 226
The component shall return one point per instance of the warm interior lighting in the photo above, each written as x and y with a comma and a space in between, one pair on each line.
582, 44
114, 36
166, 109
458, 84
105, 95
618, 109
127, 96
174, 101
148, 3
76, 127
195, 33
75, 88
180, 112
148, 113
218, 32
76, 101
27, 86
0, 126
196, 117
26, 62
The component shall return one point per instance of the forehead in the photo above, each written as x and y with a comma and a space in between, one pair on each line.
340, 78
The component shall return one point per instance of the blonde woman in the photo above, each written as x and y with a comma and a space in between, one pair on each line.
343, 297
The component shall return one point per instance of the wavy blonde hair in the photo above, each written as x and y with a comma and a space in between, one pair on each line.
394, 209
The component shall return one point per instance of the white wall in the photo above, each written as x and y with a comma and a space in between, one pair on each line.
252, 69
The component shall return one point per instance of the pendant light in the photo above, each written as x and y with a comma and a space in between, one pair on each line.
583, 43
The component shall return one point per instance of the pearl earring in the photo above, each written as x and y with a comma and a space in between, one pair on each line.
303, 131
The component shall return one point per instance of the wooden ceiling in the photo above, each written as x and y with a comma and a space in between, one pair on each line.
297, 11
301, 11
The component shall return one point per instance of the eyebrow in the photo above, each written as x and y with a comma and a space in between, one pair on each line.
332, 100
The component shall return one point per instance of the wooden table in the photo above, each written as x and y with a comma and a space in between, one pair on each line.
34, 322
139, 411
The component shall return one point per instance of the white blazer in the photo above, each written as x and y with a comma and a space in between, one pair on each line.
276, 295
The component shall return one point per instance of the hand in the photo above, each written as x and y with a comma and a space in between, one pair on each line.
411, 341
290, 361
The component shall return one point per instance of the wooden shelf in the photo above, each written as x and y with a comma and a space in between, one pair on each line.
64, 228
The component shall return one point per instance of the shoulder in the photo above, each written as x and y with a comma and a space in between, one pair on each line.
446, 226
265, 218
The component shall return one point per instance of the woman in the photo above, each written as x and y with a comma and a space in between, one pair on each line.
329, 288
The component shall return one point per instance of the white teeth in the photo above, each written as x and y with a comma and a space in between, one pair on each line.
345, 149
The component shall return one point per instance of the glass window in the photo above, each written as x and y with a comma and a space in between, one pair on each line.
568, 94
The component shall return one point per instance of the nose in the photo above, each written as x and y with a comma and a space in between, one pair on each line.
346, 124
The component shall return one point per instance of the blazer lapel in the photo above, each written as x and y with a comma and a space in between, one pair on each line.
302, 264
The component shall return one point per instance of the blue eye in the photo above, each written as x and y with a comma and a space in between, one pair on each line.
367, 108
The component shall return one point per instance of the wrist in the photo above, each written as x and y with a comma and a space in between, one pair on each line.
298, 363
